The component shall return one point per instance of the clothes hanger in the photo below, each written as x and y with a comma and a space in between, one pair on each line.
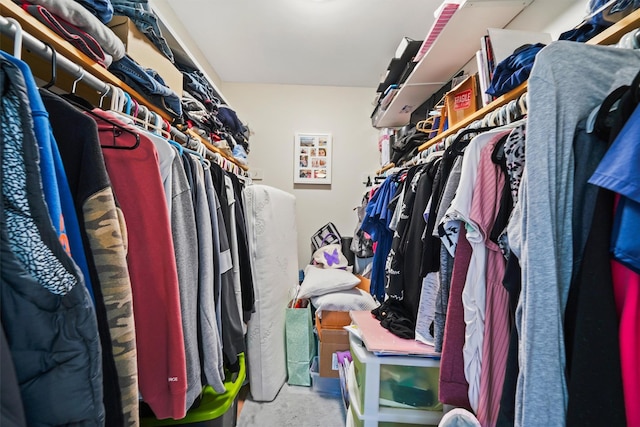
17, 38
118, 99
53, 66
177, 145
204, 161
146, 122
603, 124
421, 126
498, 155
158, 126
124, 99
75, 82
103, 95
117, 128
136, 108
523, 104
459, 143
128, 104
115, 98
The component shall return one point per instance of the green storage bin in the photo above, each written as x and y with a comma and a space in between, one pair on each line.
215, 410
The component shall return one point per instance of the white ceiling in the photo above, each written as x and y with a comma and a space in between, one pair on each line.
308, 42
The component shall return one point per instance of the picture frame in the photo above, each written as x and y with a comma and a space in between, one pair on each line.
312, 158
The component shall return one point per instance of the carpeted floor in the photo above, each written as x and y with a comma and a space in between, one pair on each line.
294, 407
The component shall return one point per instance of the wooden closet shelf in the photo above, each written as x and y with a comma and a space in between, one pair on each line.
385, 168
609, 36
34, 27
215, 149
615, 32
497, 103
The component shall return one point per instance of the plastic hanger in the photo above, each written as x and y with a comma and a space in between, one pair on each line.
115, 97
117, 128
75, 82
53, 66
459, 143
109, 87
128, 104
178, 146
136, 108
425, 126
523, 104
17, 38
205, 163
497, 155
118, 99
158, 126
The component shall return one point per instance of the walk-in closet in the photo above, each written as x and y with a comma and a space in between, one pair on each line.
319, 213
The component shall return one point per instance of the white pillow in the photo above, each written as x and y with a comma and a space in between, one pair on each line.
352, 299
320, 281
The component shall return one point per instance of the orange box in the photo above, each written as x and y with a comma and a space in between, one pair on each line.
462, 101
332, 320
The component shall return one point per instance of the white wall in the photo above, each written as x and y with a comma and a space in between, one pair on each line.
275, 113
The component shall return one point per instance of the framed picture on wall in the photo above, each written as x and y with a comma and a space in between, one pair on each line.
312, 158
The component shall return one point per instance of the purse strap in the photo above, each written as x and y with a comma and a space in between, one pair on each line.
324, 239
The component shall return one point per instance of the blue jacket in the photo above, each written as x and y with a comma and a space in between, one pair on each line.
54, 179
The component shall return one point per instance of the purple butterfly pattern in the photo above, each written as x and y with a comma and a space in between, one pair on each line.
333, 258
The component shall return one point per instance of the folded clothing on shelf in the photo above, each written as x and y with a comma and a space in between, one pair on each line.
74, 35
149, 83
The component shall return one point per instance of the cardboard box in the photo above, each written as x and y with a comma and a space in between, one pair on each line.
332, 340
139, 48
462, 101
331, 321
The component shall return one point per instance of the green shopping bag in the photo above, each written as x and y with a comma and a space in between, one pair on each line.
301, 345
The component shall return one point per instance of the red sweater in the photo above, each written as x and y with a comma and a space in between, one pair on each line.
135, 177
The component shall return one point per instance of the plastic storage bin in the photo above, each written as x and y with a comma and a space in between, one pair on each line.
215, 410
382, 394
323, 384
354, 421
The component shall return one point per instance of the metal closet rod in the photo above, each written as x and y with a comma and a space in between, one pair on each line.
46, 52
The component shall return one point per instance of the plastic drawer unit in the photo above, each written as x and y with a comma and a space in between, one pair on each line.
386, 391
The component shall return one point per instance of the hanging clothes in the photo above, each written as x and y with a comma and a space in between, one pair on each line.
404, 280
474, 292
138, 185
376, 224
485, 208
55, 186
446, 259
557, 88
244, 259
184, 234
103, 232
453, 386
232, 330
624, 266
208, 326
46, 308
